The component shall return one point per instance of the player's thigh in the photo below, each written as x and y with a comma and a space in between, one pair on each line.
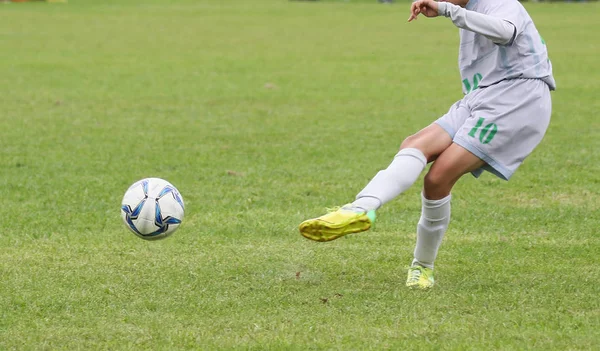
437, 137
431, 141
452, 164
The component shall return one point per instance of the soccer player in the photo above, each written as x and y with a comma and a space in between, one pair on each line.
507, 79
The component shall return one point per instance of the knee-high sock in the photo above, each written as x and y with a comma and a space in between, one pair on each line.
435, 217
392, 181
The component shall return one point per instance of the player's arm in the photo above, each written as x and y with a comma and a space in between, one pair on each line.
498, 30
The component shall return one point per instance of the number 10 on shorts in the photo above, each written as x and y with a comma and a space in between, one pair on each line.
486, 134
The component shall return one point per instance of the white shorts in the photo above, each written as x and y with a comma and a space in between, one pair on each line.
501, 124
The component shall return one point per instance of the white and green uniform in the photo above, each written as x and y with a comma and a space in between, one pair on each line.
507, 78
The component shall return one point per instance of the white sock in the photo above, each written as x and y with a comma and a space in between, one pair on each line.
435, 217
392, 181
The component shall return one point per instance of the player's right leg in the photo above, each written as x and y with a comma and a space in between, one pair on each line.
415, 152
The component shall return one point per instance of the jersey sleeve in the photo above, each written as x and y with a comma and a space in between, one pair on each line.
510, 10
497, 29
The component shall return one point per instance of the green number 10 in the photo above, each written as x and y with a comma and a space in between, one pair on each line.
476, 79
486, 134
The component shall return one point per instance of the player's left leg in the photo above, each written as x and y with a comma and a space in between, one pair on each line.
452, 164
406, 167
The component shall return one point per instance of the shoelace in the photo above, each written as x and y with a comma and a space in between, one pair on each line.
345, 208
415, 274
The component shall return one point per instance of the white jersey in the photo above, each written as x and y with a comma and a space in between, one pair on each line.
483, 63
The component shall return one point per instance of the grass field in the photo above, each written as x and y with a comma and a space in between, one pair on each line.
263, 113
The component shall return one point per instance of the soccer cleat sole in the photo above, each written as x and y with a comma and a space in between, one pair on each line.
419, 287
318, 230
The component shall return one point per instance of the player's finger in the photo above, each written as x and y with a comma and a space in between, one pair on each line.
416, 9
414, 14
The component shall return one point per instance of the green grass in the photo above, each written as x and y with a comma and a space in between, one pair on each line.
263, 113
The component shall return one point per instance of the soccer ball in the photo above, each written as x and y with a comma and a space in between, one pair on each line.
152, 208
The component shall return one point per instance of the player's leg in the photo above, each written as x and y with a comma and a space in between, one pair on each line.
415, 152
452, 164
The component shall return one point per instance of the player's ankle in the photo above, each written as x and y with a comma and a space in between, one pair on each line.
418, 263
366, 204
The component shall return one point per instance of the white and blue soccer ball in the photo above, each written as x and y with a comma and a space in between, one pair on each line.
152, 208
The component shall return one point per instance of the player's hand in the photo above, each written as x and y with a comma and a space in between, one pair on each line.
429, 8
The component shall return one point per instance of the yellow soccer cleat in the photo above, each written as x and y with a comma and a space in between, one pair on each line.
420, 278
335, 224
